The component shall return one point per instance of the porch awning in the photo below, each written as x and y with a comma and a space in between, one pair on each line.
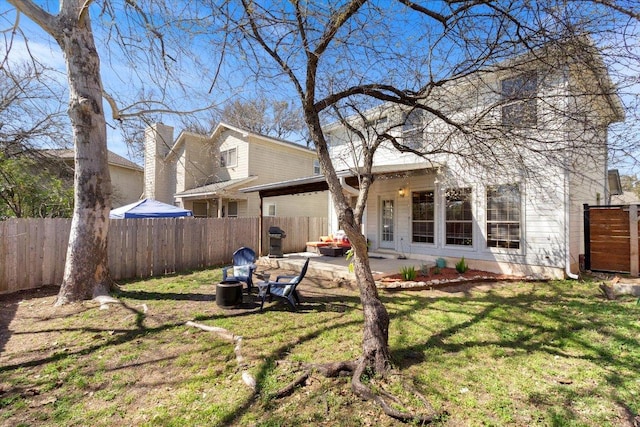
214, 189
318, 182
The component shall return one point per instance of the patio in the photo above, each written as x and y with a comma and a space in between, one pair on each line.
337, 267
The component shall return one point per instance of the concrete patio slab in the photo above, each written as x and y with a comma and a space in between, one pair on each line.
338, 267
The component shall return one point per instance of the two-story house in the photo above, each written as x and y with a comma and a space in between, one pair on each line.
203, 173
507, 167
126, 176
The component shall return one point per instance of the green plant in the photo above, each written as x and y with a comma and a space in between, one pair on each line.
349, 255
461, 266
408, 272
424, 269
435, 270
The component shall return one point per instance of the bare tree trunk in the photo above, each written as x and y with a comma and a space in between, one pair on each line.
375, 347
86, 270
375, 344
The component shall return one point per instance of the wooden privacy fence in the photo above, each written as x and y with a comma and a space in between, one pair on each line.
33, 251
611, 238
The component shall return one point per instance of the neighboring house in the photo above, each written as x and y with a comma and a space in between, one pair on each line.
203, 173
524, 217
126, 176
626, 198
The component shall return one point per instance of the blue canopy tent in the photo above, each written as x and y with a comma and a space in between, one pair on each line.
148, 208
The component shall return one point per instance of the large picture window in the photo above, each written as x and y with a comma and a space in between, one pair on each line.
229, 158
503, 216
459, 217
423, 215
519, 93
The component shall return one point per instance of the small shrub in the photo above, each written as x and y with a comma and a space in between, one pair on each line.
424, 270
408, 273
461, 266
435, 270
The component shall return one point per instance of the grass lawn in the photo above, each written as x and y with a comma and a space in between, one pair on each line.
521, 354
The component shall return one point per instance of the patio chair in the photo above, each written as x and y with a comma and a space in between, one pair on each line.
242, 268
283, 287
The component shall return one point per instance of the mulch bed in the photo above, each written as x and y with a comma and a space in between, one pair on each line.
445, 277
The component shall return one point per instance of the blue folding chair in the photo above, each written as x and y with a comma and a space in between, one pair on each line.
242, 268
283, 287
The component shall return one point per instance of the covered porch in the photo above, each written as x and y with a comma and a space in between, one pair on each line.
216, 200
379, 225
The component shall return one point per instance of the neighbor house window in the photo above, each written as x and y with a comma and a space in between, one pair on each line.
519, 106
229, 158
503, 216
316, 167
199, 209
423, 215
270, 210
459, 217
232, 210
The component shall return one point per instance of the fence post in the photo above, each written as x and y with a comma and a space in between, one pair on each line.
633, 235
587, 237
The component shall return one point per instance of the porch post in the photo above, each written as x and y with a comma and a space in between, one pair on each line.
587, 236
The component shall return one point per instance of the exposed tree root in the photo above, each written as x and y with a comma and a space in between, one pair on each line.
384, 399
247, 378
286, 391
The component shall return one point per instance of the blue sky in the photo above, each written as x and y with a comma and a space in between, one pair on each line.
120, 77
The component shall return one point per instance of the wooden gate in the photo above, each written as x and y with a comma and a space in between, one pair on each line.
611, 238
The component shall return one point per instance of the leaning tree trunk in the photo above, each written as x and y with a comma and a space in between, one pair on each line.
375, 344
86, 270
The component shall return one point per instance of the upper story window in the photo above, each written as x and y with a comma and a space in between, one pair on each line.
316, 167
229, 158
519, 97
412, 129
459, 217
503, 216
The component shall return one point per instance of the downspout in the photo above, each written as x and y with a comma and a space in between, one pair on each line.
567, 212
567, 198
353, 191
260, 226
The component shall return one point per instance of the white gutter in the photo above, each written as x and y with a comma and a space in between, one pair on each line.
345, 186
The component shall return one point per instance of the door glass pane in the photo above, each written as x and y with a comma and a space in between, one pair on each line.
387, 220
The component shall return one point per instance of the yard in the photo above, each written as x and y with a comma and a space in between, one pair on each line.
520, 354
